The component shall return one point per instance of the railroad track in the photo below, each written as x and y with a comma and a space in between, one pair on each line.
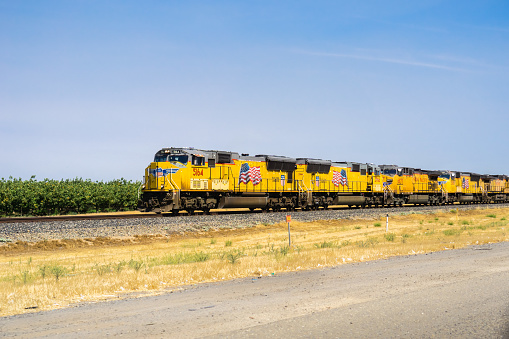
139, 224
78, 217
117, 216
149, 215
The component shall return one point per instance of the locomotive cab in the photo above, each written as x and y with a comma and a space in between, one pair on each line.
163, 178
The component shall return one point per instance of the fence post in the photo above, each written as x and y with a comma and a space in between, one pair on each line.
288, 219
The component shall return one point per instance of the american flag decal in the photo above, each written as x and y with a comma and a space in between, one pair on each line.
335, 178
465, 183
339, 178
248, 174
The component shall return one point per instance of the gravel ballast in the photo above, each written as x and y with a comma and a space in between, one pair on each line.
82, 229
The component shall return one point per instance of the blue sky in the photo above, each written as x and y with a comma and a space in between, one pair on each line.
93, 89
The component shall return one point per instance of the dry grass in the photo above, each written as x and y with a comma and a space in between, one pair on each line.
53, 274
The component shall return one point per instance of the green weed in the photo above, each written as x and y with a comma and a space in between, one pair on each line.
452, 232
58, 271
233, 256
102, 269
325, 244
367, 243
390, 236
136, 264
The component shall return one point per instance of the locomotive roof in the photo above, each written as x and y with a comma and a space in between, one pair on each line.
216, 154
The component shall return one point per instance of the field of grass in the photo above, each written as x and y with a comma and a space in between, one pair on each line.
54, 274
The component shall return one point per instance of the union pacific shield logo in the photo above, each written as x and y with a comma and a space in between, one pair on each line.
159, 172
317, 181
283, 180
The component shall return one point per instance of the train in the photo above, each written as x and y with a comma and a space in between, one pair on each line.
189, 179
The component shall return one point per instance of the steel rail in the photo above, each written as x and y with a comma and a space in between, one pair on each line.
198, 212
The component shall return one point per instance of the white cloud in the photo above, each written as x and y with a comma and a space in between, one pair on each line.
399, 61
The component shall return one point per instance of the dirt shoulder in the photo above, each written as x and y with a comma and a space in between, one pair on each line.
455, 293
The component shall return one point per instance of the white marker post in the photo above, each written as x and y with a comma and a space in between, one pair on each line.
387, 224
288, 219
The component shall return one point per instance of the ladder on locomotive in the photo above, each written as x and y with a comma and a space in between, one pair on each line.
444, 192
388, 192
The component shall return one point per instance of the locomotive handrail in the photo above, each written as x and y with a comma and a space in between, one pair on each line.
444, 192
302, 182
169, 182
172, 183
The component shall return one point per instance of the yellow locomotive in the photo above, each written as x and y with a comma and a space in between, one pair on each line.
190, 179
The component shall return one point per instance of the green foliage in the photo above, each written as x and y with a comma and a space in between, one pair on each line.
227, 243
70, 196
491, 215
284, 250
233, 256
325, 244
43, 270
200, 257
367, 243
25, 276
136, 264
390, 236
377, 224
180, 258
452, 232
58, 271
118, 267
103, 269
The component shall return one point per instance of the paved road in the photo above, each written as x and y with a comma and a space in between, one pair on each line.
453, 294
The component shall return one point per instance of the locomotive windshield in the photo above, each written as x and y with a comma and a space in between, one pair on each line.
172, 158
390, 171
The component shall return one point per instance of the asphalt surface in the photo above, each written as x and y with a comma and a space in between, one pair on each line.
451, 294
